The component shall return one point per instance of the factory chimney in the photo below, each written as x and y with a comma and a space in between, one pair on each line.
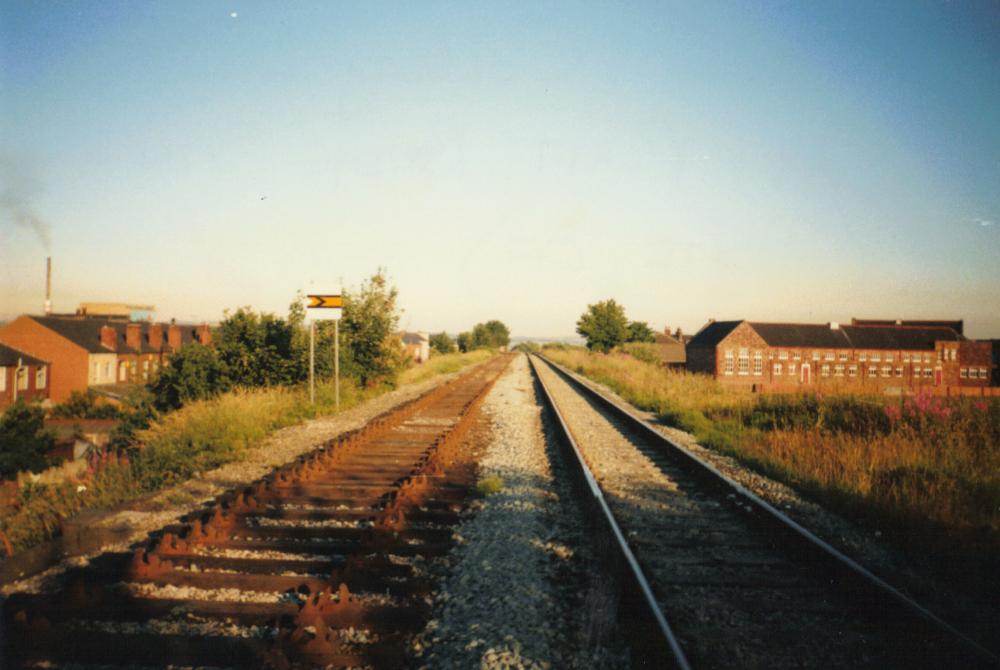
48, 285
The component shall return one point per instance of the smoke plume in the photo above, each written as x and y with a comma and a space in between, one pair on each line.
16, 204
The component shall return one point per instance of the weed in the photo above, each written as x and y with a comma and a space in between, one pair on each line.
487, 486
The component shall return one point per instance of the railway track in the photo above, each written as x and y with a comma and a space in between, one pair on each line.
710, 576
319, 564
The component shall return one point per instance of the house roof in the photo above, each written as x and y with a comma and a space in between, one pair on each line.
801, 335
9, 357
415, 338
822, 336
85, 332
712, 333
957, 324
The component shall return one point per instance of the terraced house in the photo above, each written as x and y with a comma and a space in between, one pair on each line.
869, 356
98, 352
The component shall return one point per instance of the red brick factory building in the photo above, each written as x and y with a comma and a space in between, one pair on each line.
880, 356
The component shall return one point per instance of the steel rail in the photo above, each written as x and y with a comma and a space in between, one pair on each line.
653, 641
869, 593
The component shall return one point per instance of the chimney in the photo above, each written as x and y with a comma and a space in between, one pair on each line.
204, 334
108, 337
174, 336
48, 284
133, 335
680, 333
834, 325
156, 336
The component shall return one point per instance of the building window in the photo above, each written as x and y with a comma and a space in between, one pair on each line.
758, 363
842, 356
863, 356
3, 379
927, 358
838, 371
928, 372
964, 373
852, 371
815, 355
22, 379
873, 371
906, 358
122, 371
791, 369
899, 371
796, 355
889, 358
825, 370
876, 358
777, 369
744, 361
782, 355
886, 370
728, 365
954, 354
107, 371
829, 356
982, 373
40, 377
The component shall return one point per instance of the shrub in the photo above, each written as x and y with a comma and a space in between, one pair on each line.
24, 441
196, 372
84, 405
488, 486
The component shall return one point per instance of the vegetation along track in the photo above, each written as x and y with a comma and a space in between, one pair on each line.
737, 583
317, 564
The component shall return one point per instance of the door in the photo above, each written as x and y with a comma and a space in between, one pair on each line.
805, 373
938, 375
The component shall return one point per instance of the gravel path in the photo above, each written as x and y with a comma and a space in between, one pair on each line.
732, 599
147, 514
521, 589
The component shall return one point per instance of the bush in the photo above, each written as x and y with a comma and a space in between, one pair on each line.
195, 372
371, 350
84, 405
24, 442
442, 344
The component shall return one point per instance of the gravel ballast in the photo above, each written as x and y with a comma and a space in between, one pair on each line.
521, 589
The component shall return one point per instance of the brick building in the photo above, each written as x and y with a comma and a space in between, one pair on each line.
22, 376
89, 352
869, 356
671, 347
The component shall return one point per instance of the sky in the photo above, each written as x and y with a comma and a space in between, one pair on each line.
772, 161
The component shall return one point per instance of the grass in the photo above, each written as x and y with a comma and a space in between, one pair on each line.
487, 486
923, 470
196, 438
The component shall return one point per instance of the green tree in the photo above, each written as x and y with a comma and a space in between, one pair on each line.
466, 342
639, 331
24, 441
84, 405
490, 335
193, 373
442, 344
371, 350
603, 325
256, 349
138, 412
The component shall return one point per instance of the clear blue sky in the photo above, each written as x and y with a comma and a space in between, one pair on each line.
785, 161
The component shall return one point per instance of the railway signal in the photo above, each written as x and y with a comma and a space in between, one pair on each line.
324, 307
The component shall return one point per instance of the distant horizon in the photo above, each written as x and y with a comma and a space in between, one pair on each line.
779, 161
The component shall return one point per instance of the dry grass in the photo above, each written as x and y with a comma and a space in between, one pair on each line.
925, 470
440, 364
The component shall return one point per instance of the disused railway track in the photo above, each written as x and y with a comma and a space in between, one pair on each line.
721, 578
315, 565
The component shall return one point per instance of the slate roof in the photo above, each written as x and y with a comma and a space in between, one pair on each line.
713, 333
822, 336
9, 356
414, 338
802, 335
85, 332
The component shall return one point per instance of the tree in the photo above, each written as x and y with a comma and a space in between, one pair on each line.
138, 412
639, 331
256, 349
603, 325
193, 373
466, 342
84, 405
370, 347
442, 344
490, 335
24, 442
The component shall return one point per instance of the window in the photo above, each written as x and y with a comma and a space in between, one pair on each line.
927, 358
122, 371
782, 355
777, 369
728, 363
838, 371
829, 356
22, 379
899, 370
954, 354
825, 370
842, 356
889, 358
758, 363
852, 371
928, 372
906, 358
886, 370
40, 377
873, 371
863, 356
964, 373
815, 355
982, 373
744, 361
876, 358
791, 369
107, 371
796, 355
93, 372
3, 379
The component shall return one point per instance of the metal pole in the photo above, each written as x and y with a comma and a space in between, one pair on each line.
312, 362
336, 361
